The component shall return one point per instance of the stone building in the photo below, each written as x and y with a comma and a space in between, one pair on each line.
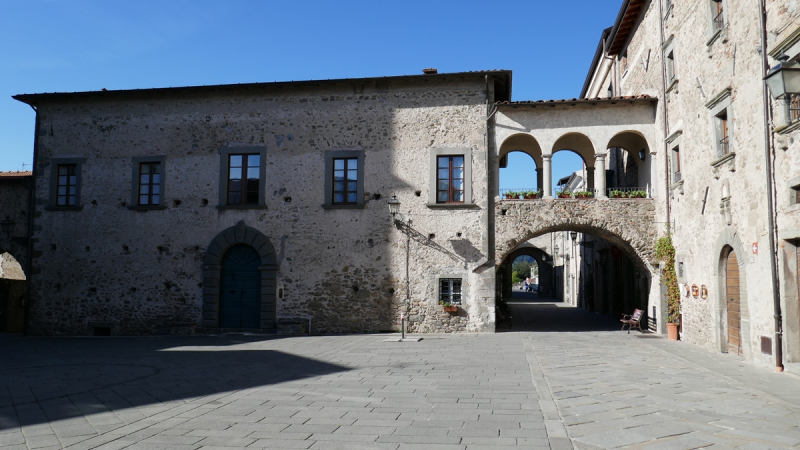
264, 206
14, 205
724, 150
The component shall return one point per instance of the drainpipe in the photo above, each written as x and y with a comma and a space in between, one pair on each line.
773, 254
666, 116
31, 210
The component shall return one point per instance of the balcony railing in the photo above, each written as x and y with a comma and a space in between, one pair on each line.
578, 193
628, 192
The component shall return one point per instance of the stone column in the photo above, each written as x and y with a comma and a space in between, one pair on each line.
547, 186
600, 175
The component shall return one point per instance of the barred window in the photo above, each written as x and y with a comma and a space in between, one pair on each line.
450, 290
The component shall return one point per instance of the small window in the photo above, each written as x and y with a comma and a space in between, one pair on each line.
670, 66
717, 10
623, 62
345, 181
450, 290
722, 133
794, 197
67, 190
243, 178
676, 164
610, 92
794, 107
149, 183
450, 179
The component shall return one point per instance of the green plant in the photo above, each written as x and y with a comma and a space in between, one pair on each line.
564, 193
665, 252
512, 194
447, 305
585, 194
530, 194
637, 194
616, 194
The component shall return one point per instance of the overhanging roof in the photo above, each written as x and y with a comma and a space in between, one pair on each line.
502, 91
584, 101
624, 25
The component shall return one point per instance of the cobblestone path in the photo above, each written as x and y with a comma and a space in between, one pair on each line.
555, 387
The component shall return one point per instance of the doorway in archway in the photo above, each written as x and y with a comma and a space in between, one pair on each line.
733, 303
240, 288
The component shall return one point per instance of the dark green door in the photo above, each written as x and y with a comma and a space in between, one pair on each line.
240, 288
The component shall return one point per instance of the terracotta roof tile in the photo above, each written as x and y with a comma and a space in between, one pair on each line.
22, 173
581, 100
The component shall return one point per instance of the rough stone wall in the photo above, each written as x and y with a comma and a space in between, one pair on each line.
140, 272
14, 204
715, 199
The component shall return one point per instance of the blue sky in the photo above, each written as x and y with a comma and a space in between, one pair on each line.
50, 46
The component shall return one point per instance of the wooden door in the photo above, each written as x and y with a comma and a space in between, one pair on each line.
732, 295
240, 288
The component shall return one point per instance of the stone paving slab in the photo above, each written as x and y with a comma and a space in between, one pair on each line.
531, 389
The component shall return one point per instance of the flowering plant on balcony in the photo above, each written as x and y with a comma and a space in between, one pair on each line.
584, 194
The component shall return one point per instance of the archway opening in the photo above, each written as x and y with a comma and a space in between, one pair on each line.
569, 173
12, 294
628, 164
592, 278
520, 163
733, 309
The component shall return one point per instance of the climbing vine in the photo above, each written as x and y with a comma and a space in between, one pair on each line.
665, 251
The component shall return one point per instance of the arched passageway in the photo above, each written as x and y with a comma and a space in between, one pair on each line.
12, 295
629, 162
527, 144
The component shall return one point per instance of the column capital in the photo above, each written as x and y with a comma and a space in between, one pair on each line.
600, 155
547, 157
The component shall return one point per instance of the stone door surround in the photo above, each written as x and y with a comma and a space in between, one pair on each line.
212, 264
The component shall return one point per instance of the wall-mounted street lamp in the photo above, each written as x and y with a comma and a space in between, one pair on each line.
8, 225
394, 207
784, 78
555, 251
573, 235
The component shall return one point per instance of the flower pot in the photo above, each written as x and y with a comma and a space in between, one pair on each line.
531, 197
509, 197
564, 196
450, 309
672, 331
584, 196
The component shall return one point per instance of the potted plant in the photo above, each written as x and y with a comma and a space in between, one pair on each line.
564, 194
530, 194
584, 194
637, 194
616, 194
665, 252
512, 195
447, 307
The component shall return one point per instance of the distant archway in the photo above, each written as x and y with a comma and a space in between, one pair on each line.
581, 145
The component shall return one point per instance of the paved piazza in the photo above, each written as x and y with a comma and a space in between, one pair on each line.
576, 382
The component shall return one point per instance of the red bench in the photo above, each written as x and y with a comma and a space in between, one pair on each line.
632, 320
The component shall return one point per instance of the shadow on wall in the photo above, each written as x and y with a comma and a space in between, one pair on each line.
135, 373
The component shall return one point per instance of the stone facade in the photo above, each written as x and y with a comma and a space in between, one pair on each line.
14, 206
704, 60
111, 265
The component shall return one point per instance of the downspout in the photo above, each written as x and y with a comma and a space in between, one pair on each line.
31, 215
773, 254
665, 116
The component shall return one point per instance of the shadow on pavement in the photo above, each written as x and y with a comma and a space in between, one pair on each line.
133, 373
531, 313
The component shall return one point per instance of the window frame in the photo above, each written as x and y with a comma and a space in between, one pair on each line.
675, 157
715, 32
224, 157
55, 163
718, 106
451, 191
670, 64
441, 280
435, 153
136, 163
330, 156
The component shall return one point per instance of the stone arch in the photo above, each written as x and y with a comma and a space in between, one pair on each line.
578, 143
627, 224
729, 237
543, 259
522, 142
240, 234
632, 142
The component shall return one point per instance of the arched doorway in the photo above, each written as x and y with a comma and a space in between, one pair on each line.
733, 307
240, 288
239, 275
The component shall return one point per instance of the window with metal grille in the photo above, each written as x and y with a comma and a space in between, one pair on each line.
149, 183
450, 290
676, 165
450, 179
719, 17
670, 66
67, 185
345, 180
794, 107
243, 178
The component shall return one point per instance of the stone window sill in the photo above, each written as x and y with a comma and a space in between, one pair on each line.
63, 208
728, 160
718, 35
146, 208
241, 207
673, 86
792, 208
329, 206
677, 186
788, 128
453, 206
668, 13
